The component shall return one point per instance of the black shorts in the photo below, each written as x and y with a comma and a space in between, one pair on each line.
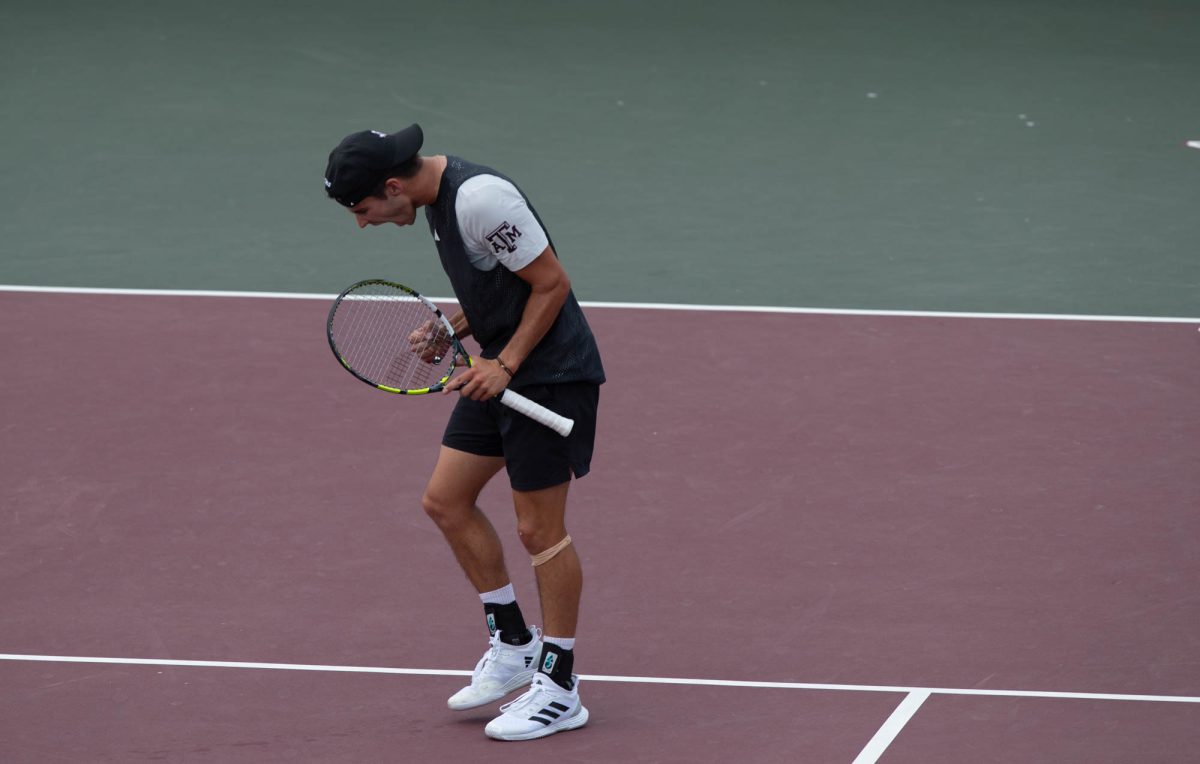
535, 456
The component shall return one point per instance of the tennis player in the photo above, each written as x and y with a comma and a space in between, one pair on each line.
516, 300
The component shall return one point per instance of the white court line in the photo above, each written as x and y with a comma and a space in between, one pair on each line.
232, 664
626, 305
887, 733
621, 679
166, 292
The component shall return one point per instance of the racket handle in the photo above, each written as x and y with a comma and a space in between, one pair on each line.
537, 412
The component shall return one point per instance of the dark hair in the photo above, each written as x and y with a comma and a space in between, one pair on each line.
405, 170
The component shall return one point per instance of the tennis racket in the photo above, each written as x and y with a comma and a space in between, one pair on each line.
395, 340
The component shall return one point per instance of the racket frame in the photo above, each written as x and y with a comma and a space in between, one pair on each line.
560, 424
455, 342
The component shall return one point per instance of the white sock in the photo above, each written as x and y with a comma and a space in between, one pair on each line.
565, 643
499, 596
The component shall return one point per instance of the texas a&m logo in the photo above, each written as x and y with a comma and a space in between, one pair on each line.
504, 238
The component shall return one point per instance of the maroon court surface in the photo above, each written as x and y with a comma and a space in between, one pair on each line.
873, 504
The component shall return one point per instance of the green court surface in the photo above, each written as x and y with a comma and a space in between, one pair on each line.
964, 156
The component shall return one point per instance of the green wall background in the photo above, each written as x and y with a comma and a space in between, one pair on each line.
935, 155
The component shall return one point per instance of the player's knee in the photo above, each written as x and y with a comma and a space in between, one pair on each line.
538, 538
445, 514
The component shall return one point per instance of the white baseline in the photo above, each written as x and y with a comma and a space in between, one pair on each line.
622, 305
607, 678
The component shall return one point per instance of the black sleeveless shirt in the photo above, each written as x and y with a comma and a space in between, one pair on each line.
494, 300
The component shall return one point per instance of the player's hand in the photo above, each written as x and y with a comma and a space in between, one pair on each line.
430, 341
481, 382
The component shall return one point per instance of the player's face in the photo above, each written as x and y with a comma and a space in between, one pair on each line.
395, 207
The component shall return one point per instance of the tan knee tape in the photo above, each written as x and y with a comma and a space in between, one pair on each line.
541, 558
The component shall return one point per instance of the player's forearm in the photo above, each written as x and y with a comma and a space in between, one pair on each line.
541, 310
458, 322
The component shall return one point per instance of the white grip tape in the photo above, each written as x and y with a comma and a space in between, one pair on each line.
537, 412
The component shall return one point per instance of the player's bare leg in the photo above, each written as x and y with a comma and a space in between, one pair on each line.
541, 525
552, 702
450, 501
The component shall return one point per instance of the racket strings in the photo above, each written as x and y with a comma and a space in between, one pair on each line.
391, 338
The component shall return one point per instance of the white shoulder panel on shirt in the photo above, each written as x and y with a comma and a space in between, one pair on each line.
497, 225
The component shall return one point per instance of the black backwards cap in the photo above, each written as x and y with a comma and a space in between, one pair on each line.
362, 160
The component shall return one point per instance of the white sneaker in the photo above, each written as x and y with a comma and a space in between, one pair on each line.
543, 710
501, 670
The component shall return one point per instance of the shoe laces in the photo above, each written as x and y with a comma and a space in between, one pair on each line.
493, 653
541, 692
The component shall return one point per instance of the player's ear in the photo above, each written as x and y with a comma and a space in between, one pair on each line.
394, 186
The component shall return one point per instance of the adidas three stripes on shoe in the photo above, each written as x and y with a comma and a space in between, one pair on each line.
544, 709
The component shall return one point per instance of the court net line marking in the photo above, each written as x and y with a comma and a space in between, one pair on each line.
620, 679
624, 305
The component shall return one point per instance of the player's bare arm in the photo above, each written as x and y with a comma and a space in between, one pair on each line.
459, 323
549, 287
